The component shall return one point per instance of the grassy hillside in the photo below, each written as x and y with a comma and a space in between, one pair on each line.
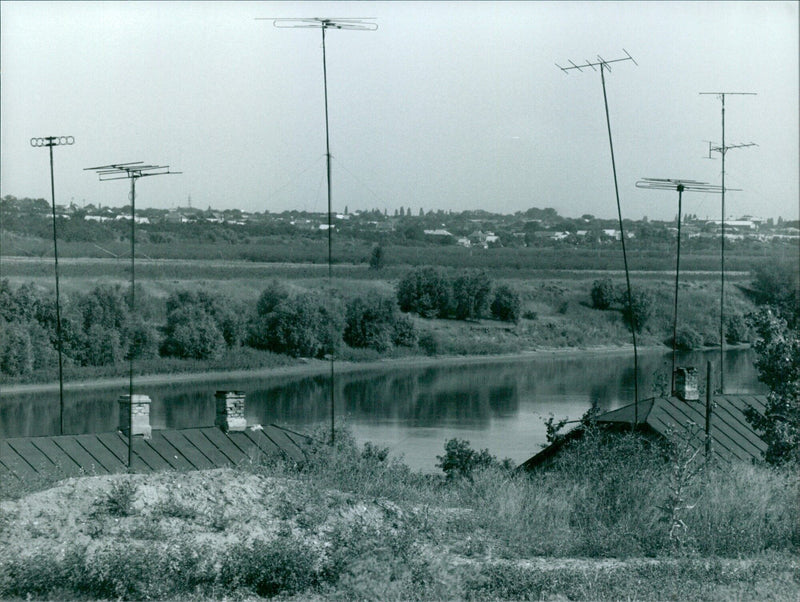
351, 524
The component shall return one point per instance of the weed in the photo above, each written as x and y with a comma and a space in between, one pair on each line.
119, 500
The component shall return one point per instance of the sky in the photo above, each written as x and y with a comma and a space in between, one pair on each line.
447, 105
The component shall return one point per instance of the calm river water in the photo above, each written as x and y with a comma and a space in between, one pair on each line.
500, 405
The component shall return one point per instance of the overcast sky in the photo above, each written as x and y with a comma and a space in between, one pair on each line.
446, 106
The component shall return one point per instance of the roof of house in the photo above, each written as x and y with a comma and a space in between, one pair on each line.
732, 437
180, 449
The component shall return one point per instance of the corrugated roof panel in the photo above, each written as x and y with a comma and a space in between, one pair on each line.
32, 455
172, 456
187, 448
208, 449
92, 444
64, 463
224, 444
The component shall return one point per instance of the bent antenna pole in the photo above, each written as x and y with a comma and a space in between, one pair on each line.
606, 65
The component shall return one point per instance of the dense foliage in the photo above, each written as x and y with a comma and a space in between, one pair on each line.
778, 364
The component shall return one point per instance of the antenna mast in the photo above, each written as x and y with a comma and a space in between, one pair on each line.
680, 186
362, 24
722, 149
131, 171
605, 65
50, 142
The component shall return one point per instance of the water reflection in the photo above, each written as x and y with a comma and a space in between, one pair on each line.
499, 405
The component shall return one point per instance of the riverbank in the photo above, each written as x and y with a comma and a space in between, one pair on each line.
313, 367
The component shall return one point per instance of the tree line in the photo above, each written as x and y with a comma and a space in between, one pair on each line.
98, 327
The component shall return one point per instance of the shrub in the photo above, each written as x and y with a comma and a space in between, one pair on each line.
271, 297
425, 291
460, 460
603, 293
191, 333
429, 343
736, 329
639, 312
102, 346
778, 284
405, 333
302, 325
16, 349
506, 305
281, 566
778, 364
377, 258
370, 322
141, 339
687, 339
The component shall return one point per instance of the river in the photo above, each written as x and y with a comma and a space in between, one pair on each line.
497, 404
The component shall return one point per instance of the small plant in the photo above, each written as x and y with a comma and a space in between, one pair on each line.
171, 507
119, 501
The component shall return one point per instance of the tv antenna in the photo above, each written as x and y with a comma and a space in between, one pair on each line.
604, 65
681, 186
131, 171
722, 150
323, 24
50, 142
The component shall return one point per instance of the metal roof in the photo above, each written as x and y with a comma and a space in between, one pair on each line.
181, 449
732, 437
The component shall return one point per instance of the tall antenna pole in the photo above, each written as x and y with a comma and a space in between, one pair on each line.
131, 171
680, 186
324, 24
604, 64
722, 150
50, 142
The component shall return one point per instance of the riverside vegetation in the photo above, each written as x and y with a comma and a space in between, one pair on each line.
355, 524
231, 324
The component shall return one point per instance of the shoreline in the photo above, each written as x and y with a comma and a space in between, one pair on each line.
315, 367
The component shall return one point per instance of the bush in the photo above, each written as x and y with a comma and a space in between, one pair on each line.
141, 339
429, 343
370, 322
506, 305
425, 291
269, 568
460, 460
736, 329
778, 284
603, 293
102, 346
302, 325
377, 258
642, 303
191, 333
16, 349
687, 339
778, 364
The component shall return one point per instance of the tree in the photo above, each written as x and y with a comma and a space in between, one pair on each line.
369, 322
506, 305
778, 364
192, 334
16, 349
377, 258
639, 312
603, 294
471, 294
777, 284
425, 291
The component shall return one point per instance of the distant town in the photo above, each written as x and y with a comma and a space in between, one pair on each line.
482, 229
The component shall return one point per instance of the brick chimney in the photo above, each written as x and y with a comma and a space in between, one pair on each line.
141, 415
230, 411
686, 384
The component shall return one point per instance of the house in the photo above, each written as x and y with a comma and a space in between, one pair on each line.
682, 416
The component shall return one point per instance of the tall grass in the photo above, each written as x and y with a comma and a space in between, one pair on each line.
356, 524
